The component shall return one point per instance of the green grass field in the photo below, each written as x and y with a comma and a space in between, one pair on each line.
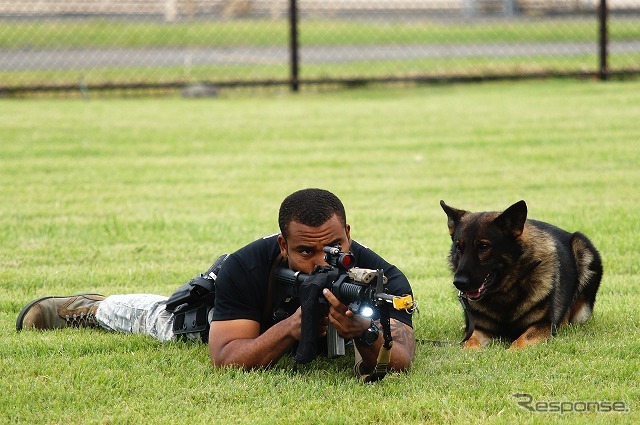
313, 32
139, 195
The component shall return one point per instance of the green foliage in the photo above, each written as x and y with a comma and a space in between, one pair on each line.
139, 195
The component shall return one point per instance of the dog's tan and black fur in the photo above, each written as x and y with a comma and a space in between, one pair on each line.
523, 278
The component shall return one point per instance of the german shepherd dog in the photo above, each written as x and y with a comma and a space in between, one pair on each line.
522, 278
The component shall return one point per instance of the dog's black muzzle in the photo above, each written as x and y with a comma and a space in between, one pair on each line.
462, 283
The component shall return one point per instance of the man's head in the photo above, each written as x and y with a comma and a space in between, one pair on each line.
311, 207
310, 219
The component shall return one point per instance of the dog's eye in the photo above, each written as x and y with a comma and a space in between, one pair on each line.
458, 246
483, 247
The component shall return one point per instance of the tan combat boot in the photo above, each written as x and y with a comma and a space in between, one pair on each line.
60, 312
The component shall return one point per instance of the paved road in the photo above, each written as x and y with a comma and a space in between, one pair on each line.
23, 59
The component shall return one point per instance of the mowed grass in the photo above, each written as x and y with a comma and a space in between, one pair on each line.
139, 195
78, 33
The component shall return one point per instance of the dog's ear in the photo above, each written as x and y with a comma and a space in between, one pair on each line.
454, 216
511, 221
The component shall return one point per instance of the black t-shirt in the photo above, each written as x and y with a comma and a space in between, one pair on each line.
243, 281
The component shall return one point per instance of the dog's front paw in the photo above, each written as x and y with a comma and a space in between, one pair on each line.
535, 334
476, 341
472, 344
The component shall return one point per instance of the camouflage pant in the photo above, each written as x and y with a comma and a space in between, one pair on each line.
138, 314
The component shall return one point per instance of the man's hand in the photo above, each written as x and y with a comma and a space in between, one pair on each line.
348, 324
295, 324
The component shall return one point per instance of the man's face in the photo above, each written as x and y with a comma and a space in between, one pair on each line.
303, 247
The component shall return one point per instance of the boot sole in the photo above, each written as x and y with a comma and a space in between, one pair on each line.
26, 308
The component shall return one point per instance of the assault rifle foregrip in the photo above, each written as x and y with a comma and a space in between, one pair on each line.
335, 343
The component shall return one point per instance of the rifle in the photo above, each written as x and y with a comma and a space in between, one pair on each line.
361, 289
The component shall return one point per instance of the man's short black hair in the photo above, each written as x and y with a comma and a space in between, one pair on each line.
311, 207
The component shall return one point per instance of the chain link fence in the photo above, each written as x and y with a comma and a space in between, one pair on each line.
70, 45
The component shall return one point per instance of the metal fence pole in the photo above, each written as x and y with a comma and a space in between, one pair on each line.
603, 72
293, 44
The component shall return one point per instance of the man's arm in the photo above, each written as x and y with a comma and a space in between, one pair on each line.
350, 326
239, 342
404, 347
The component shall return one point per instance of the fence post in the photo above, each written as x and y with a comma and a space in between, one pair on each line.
293, 44
170, 10
603, 72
